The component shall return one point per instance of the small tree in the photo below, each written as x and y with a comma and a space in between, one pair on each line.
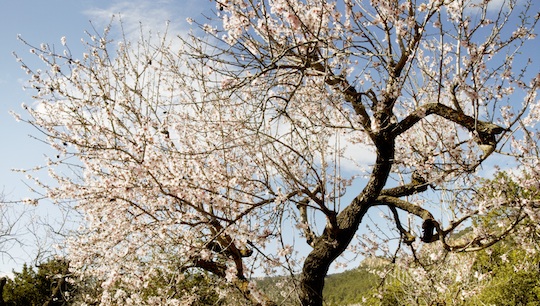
219, 152
47, 286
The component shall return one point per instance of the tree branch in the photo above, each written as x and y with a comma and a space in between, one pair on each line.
407, 236
418, 184
302, 208
429, 225
486, 130
351, 95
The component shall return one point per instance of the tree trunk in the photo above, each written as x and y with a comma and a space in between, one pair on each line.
328, 247
333, 242
3, 281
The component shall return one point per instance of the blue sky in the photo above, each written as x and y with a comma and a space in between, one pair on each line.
38, 21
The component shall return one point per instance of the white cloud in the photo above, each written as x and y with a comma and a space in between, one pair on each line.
154, 16
497, 5
357, 157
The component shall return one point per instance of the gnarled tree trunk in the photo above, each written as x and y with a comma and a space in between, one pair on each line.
333, 242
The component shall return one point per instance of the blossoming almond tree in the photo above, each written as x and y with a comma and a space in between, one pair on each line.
222, 152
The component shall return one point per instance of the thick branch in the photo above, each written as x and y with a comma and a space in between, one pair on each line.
429, 225
418, 184
226, 245
215, 268
308, 233
486, 130
406, 206
56, 294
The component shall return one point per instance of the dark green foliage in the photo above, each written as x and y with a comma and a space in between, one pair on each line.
25, 288
515, 275
30, 287
348, 287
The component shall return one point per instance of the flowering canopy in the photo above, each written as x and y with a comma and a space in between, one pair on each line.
218, 152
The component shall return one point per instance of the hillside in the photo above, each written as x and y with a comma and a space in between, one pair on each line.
349, 287
346, 288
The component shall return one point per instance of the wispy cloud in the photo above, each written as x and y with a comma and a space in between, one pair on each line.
496, 5
154, 16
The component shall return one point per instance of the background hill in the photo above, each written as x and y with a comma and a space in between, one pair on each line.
346, 288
